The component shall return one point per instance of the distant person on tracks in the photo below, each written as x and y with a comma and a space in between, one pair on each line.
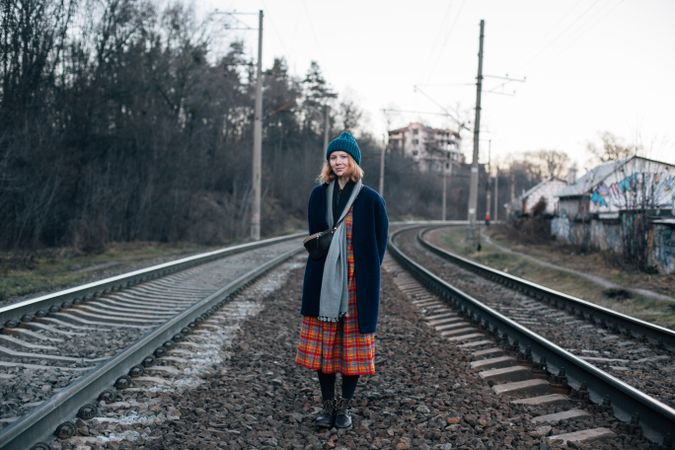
341, 290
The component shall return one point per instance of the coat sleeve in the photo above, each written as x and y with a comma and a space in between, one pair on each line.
381, 227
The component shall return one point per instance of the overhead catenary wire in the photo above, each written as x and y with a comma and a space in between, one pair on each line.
311, 27
602, 14
447, 37
270, 18
551, 42
437, 39
453, 116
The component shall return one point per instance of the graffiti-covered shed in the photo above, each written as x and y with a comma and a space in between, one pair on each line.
634, 183
619, 203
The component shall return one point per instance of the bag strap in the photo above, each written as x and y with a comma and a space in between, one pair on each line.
329, 202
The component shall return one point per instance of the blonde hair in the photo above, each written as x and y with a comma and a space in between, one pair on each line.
354, 171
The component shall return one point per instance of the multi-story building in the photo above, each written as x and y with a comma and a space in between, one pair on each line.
430, 147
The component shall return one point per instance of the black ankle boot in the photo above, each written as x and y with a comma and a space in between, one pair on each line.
326, 418
343, 417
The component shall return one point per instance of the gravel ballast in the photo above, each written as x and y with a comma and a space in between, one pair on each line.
423, 396
643, 365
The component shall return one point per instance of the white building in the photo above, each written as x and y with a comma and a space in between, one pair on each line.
547, 191
429, 147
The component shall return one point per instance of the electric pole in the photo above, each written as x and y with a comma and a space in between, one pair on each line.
496, 191
489, 178
326, 126
257, 139
384, 150
447, 171
385, 144
473, 187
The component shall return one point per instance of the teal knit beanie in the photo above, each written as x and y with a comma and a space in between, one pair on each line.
346, 143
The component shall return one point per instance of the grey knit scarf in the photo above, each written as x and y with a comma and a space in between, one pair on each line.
334, 291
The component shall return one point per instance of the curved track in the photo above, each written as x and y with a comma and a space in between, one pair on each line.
632, 370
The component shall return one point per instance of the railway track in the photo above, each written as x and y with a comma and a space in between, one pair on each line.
60, 352
57, 364
608, 357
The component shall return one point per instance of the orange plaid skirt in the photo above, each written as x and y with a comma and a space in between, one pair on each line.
338, 346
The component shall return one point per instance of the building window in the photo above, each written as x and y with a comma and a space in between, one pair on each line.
416, 132
415, 152
416, 141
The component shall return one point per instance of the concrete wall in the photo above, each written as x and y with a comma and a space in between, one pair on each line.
663, 245
560, 228
570, 231
606, 235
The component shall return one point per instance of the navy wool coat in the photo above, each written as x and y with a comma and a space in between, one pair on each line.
369, 240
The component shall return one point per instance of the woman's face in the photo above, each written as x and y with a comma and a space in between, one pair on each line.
339, 162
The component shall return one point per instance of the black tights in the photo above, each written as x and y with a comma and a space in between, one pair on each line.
327, 382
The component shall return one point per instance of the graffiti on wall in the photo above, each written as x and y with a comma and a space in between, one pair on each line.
639, 189
607, 236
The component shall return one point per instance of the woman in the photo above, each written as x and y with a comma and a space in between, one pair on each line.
341, 292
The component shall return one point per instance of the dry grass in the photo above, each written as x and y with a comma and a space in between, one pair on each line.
27, 273
659, 312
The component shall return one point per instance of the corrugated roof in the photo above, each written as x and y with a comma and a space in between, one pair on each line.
592, 178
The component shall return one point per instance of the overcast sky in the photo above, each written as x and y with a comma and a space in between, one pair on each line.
590, 65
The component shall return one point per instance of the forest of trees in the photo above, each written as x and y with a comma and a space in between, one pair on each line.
119, 121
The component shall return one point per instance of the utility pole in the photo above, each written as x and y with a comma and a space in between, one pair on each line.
326, 119
384, 150
447, 171
473, 187
257, 139
489, 175
326, 127
496, 192
444, 189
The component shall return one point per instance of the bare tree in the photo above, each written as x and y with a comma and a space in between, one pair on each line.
553, 162
119, 121
611, 148
350, 114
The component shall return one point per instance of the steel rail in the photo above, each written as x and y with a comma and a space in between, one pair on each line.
24, 311
44, 420
600, 315
656, 419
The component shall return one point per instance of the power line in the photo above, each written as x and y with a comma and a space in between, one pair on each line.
445, 84
443, 108
274, 28
409, 111
437, 39
447, 36
559, 21
552, 41
506, 80
311, 27
601, 15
